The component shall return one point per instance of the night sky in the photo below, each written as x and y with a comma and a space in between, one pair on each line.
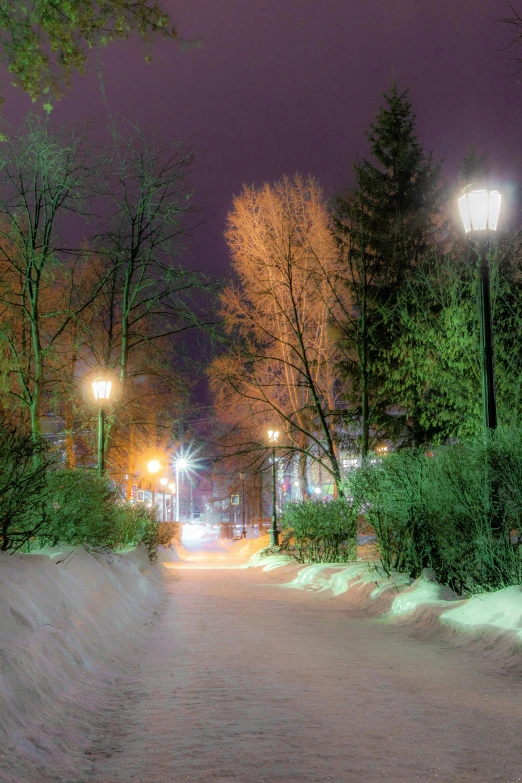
285, 86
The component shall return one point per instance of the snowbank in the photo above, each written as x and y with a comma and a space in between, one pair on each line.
249, 546
502, 609
63, 617
493, 620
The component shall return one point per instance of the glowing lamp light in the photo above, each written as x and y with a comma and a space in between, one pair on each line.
172, 488
153, 466
101, 388
164, 481
273, 436
479, 209
182, 463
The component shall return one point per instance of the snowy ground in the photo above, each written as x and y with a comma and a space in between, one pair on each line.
241, 679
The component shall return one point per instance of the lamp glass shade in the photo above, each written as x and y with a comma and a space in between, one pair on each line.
172, 488
480, 209
273, 436
101, 388
153, 466
164, 481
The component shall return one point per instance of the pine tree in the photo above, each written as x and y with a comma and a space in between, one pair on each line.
383, 226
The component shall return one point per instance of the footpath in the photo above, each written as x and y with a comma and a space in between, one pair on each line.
203, 669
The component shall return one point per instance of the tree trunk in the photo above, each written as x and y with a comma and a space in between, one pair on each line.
302, 471
38, 379
365, 416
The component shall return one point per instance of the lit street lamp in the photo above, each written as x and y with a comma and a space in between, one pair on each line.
154, 466
102, 392
480, 210
242, 477
164, 481
273, 437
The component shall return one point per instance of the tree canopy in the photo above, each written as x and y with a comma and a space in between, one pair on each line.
43, 42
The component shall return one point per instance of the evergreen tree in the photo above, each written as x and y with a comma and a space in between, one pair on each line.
383, 226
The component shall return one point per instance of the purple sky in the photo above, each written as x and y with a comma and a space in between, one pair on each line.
285, 86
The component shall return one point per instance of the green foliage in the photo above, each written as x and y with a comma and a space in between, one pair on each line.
457, 512
23, 470
433, 364
44, 42
83, 510
320, 532
383, 226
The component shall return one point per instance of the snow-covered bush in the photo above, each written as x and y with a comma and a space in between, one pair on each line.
457, 511
320, 532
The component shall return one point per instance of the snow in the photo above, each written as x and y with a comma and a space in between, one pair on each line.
396, 596
502, 609
120, 670
420, 593
63, 616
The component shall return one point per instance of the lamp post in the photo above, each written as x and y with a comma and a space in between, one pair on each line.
164, 481
181, 464
153, 466
242, 477
479, 210
273, 437
172, 488
102, 392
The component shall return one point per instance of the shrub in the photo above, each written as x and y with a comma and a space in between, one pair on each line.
320, 532
455, 512
23, 472
84, 509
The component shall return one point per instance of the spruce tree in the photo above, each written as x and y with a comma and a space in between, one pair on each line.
383, 226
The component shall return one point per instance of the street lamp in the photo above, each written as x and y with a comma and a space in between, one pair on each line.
273, 437
164, 481
172, 488
102, 392
480, 210
153, 466
181, 464
242, 477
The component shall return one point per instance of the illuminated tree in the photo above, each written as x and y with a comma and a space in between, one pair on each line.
280, 366
147, 298
43, 177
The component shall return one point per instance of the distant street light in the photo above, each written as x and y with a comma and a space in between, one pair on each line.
273, 437
154, 466
242, 477
102, 392
480, 210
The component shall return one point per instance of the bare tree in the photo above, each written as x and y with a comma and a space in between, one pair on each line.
280, 366
44, 177
148, 298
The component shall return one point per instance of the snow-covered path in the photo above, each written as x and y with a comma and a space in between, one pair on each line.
247, 682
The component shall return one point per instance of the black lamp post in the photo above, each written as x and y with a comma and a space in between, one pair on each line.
242, 477
479, 210
102, 392
273, 437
